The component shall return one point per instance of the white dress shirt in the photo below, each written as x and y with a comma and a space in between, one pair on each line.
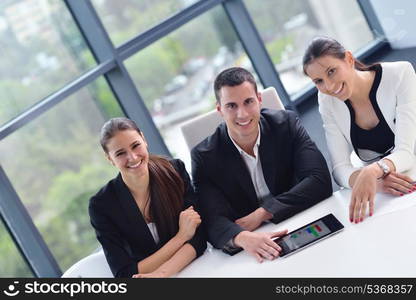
256, 172
254, 168
153, 231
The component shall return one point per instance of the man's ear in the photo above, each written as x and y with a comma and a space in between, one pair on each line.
260, 98
218, 107
107, 156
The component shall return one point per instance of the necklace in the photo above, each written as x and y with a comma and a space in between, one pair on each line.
144, 208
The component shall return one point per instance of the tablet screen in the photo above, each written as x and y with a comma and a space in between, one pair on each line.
303, 236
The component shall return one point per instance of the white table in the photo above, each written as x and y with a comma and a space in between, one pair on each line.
384, 245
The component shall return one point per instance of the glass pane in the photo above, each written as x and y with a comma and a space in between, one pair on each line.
175, 75
41, 50
11, 262
287, 27
56, 164
124, 19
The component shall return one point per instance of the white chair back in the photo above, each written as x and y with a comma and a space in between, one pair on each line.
94, 265
198, 128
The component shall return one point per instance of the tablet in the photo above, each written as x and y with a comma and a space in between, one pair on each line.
308, 234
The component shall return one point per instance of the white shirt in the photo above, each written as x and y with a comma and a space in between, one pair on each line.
254, 168
153, 231
256, 172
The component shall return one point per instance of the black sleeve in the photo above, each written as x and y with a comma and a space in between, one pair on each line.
114, 246
198, 241
313, 181
215, 208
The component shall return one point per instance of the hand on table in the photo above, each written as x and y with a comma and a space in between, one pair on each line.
260, 244
396, 184
155, 274
366, 185
362, 195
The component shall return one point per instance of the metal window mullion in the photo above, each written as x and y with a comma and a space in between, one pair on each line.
118, 78
28, 239
255, 49
165, 27
377, 44
371, 18
49, 102
133, 106
16, 218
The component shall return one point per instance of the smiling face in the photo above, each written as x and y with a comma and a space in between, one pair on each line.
240, 107
127, 150
333, 76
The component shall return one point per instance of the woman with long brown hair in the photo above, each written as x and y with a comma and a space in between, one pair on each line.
370, 110
144, 218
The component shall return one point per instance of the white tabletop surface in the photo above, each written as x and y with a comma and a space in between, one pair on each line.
384, 245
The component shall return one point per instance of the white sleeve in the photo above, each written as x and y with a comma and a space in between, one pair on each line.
403, 155
339, 147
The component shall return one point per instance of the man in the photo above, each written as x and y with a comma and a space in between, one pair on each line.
259, 166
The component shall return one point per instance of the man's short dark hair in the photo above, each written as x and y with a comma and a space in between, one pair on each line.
232, 77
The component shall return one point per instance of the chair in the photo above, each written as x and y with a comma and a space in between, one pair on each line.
198, 128
94, 265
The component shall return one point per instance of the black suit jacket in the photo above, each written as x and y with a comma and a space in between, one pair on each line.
122, 230
294, 169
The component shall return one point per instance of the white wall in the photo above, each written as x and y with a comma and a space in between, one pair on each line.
398, 19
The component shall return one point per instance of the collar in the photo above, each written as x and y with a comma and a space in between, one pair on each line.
256, 145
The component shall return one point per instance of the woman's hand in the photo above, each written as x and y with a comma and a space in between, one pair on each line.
396, 184
189, 220
155, 274
363, 192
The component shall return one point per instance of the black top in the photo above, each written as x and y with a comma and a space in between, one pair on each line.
379, 139
122, 230
294, 170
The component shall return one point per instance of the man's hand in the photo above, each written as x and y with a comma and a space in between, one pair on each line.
260, 244
254, 220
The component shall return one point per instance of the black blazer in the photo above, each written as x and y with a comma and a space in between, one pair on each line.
294, 170
122, 230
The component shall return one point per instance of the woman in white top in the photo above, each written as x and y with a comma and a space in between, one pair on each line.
370, 110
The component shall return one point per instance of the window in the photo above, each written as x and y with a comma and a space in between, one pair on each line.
124, 19
11, 262
41, 51
56, 164
175, 75
287, 27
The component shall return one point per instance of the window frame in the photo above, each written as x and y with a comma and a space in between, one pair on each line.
110, 64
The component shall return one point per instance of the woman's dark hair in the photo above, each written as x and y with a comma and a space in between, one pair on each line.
321, 46
166, 186
114, 125
166, 193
